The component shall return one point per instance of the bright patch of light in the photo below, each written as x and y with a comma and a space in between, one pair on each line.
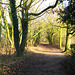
46, 3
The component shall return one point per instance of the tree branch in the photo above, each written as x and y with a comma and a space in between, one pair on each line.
37, 17
35, 4
36, 14
72, 32
30, 4
4, 3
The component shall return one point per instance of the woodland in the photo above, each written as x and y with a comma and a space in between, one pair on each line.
28, 27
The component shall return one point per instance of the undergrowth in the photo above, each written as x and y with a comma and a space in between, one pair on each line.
70, 63
7, 62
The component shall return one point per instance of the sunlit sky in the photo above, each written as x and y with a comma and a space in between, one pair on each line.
48, 2
44, 4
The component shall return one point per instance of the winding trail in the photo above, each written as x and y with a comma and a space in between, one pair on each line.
44, 60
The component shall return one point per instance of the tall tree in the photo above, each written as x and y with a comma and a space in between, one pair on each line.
24, 20
67, 15
15, 25
7, 27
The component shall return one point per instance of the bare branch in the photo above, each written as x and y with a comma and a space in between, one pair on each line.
36, 14
72, 32
37, 17
35, 4
39, 5
21, 2
4, 3
30, 4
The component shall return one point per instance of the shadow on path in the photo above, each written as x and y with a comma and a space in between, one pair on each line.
42, 62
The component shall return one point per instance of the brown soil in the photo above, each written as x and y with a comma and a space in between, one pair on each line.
45, 60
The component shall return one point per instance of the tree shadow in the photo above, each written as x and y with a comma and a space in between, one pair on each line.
41, 64
38, 63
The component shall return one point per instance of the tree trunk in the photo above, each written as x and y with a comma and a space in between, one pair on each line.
60, 37
8, 33
12, 38
68, 41
52, 39
24, 31
51, 36
15, 25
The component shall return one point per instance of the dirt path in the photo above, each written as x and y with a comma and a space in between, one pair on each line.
45, 60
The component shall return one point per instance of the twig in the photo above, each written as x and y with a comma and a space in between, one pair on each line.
4, 3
